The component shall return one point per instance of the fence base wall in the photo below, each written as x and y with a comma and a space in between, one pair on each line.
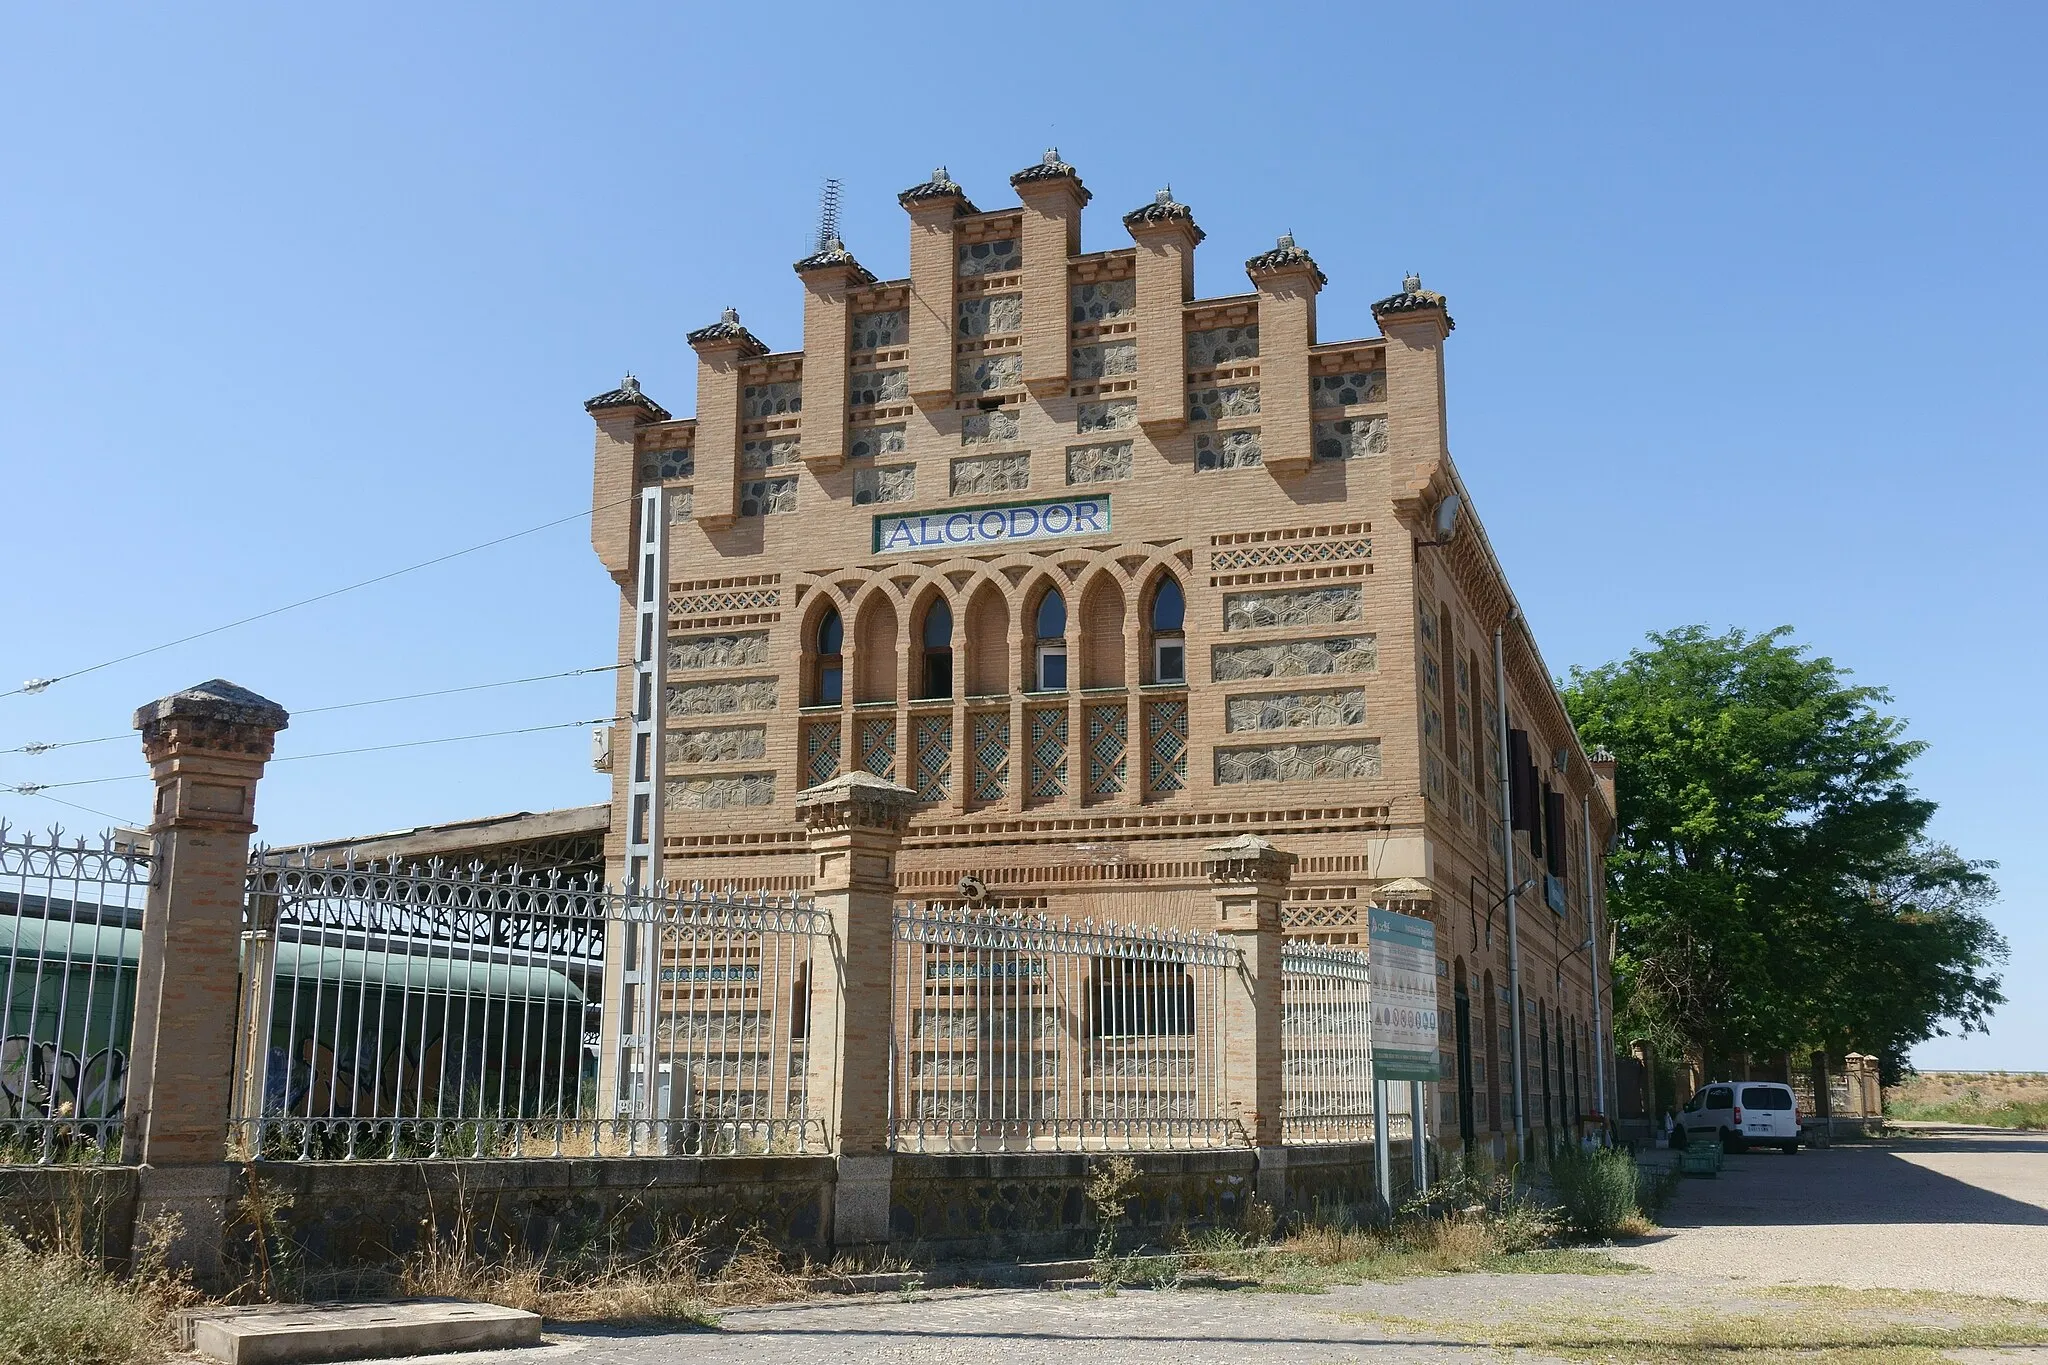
373, 1214
91, 1208
370, 1216
1338, 1180
1032, 1205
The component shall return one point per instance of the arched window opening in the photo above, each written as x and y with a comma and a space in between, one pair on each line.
1461, 1017
938, 650
1102, 628
876, 657
829, 644
1169, 644
1051, 666
1135, 999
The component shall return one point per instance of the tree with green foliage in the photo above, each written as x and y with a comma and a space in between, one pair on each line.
1772, 887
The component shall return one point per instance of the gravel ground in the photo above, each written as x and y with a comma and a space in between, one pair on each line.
1959, 1211
1377, 1323
1962, 1213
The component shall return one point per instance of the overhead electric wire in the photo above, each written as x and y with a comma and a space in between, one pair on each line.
451, 691
449, 739
43, 684
89, 810
38, 788
45, 747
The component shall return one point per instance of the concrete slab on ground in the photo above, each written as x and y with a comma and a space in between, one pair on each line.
286, 1334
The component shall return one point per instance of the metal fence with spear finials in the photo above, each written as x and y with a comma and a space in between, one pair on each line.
71, 914
407, 1011
1019, 1032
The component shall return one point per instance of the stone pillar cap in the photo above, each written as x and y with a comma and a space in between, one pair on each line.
874, 800
218, 700
863, 782
1245, 854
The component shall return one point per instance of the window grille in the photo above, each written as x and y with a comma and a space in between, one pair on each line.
934, 735
821, 751
1048, 752
1166, 726
990, 735
1108, 727
877, 737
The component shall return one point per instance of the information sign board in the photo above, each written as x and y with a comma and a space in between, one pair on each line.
1401, 964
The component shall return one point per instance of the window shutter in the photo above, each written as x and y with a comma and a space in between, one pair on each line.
1553, 819
1521, 781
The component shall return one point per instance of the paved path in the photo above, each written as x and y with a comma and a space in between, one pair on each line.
1965, 1213
1962, 1211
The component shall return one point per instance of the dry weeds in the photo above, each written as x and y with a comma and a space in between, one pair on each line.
1998, 1099
1822, 1323
1320, 1255
58, 1304
670, 1286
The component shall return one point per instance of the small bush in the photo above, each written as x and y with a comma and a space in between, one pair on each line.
1596, 1191
1519, 1223
1112, 1182
1449, 1245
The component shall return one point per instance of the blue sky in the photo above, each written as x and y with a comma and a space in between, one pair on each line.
1749, 298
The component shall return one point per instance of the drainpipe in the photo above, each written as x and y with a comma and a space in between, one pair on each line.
1507, 832
1593, 964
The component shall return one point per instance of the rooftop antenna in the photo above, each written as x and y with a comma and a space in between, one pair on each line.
828, 215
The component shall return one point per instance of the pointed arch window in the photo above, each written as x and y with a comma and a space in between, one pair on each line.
938, 650
1169, 639
1050, 671
829, 644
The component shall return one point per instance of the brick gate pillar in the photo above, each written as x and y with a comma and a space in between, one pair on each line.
206, 747
855, 823
1248, 876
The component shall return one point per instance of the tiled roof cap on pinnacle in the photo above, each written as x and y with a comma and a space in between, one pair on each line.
833, 252
627, 395
1413, 298
728, 328
940, 186
1050, 167
1164, 209
1284, 255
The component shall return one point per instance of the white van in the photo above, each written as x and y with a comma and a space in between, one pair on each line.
1739, 1114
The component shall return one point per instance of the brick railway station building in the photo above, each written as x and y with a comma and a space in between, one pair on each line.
1106, 573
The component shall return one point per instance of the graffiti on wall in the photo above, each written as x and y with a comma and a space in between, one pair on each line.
320, 1082
40, 1080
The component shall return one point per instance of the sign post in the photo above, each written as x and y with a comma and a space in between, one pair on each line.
1401, 967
